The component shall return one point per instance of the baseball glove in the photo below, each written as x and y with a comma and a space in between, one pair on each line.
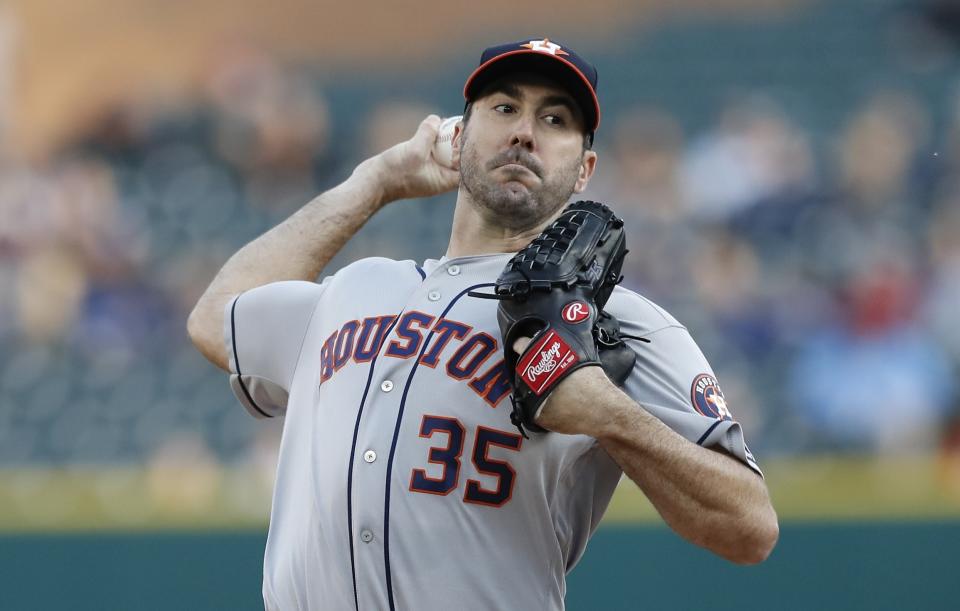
554, 291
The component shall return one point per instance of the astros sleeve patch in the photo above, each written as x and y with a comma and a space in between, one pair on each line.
707, 398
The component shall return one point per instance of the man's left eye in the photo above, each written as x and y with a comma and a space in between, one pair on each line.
554, 120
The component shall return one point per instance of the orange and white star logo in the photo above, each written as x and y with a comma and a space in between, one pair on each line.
719, 403
545, 46
708, 399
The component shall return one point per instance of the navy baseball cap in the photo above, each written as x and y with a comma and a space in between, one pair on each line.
545, 57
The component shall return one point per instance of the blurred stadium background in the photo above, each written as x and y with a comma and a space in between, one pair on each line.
790, 175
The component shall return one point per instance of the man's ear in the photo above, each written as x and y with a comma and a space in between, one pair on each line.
587, 166
455, 144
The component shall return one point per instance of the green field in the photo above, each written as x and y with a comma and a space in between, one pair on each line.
855, 534
872, 566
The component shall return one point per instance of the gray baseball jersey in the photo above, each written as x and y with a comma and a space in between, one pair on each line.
401, 483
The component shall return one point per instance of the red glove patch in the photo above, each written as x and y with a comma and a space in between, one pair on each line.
545, 362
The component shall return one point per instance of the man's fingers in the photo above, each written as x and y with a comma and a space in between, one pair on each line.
427, 132
451, 175
520, 344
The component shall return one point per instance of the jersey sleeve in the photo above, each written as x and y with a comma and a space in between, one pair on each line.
264, 329
674, 382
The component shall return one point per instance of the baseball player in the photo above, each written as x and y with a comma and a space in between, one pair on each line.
402, 482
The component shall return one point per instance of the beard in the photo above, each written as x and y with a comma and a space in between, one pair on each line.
510, 207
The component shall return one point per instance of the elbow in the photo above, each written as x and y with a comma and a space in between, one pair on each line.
756, 545
194, 327
205, 335
205, 321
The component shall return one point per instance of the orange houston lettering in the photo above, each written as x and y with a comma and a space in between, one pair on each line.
478, 348
343, 348
372, 333
326, 358
444, 330
410, 330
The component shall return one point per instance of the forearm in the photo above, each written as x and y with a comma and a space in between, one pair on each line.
706, 496
296, 249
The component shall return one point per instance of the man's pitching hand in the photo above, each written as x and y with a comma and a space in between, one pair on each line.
408, 169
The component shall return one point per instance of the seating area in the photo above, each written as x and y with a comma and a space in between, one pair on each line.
790, 184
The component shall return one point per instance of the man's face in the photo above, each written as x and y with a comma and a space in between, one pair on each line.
522, 152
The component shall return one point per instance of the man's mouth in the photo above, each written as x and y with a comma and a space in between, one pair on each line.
517, 162
516, 167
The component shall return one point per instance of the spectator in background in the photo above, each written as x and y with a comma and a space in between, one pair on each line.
874, 207
48, 264
868, 375
879, 151
874, 380
728, 282
774, 262
755, 154
272, 125
641, 180
644, 175
943, 254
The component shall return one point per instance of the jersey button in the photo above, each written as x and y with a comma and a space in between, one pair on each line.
366, 536
454, 270
386, 386
433, 295
369, 456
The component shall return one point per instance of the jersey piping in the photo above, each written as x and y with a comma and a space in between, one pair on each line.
236, 359
353, 451
708, 431
396, 435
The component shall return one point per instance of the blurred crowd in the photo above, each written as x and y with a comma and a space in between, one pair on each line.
819, 277
819, 272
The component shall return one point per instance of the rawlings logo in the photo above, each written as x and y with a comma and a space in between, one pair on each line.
545, 363
575, 311
548, 362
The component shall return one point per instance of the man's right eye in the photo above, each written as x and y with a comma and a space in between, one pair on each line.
504, 108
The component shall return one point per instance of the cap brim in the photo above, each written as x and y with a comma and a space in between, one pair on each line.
554, 66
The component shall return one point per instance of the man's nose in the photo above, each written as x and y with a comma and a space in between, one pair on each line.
522, 134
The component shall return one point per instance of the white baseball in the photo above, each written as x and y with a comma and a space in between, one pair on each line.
443, 147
